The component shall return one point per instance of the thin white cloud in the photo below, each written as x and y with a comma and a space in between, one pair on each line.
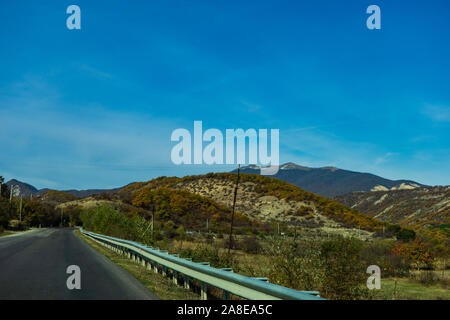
437, 113
385, 158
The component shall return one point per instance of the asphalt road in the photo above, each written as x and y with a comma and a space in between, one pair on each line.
33, 266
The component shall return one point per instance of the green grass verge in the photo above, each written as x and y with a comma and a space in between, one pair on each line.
408, 289
8, 233
163, 287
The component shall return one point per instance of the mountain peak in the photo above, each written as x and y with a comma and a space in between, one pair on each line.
291, 165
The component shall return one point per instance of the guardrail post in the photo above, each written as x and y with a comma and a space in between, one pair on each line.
204, 295
186, 282
155, 267
143, 261
149, 265
226, 295
164, 271
175, 277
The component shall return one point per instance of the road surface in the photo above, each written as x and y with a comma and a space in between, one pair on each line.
33, 266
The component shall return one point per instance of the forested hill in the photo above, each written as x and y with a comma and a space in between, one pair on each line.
266, 199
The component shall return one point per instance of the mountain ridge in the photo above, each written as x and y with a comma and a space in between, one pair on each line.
331, 181
27, 190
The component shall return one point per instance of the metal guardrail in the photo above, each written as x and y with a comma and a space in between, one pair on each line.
225, 279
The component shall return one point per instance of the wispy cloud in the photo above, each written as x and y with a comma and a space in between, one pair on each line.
437, 113
96, 72
48, 144
384, 158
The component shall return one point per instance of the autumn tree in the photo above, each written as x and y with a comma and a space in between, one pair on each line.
416, 251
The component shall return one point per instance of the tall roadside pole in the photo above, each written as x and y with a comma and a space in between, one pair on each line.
20, 211
153, 217
150, 225
232, 213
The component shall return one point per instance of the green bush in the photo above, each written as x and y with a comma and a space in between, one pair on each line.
250, 245
406, 235
332, 267
205, 253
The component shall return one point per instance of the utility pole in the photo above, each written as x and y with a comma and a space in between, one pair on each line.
20, 211
232, 213
61, 216
153, 215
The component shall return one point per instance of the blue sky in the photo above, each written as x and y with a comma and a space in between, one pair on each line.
94, 108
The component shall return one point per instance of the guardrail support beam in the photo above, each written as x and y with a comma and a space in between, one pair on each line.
229, 283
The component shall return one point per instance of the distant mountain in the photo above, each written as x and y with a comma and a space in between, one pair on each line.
330, 181
27, 190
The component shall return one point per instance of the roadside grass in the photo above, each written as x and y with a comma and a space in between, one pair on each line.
6, 233
254, 265
408, 289
11, 232
163, 287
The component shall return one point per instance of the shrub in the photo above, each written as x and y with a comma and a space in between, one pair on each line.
250, 245
205, 253
333, 267
406, 235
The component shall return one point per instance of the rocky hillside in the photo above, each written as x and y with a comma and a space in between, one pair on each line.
331, 181
267, 200
420, 207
